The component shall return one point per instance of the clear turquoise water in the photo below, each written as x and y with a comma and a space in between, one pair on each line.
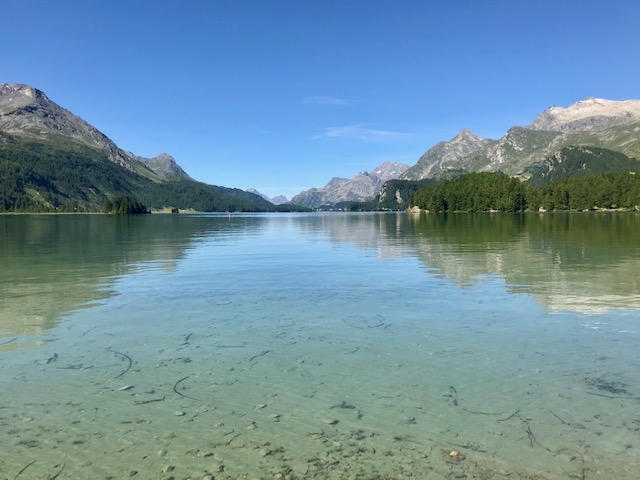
320, 346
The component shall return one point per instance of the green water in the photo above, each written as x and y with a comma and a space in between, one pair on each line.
320, 346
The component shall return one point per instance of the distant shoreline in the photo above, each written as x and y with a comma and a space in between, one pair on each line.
413, 211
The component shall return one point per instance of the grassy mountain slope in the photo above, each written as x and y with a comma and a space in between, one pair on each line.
64, 175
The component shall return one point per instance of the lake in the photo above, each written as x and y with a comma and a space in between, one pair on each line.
338, 346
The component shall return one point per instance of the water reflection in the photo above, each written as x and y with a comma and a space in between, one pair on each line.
579, 262
51, 265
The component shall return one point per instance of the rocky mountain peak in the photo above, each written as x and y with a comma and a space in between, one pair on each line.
465, 140
165, 157
165, 166
446, 156
17, 98
27, 112
590, 114
361, 187
465, 136
389, 170
277, 200
14, 96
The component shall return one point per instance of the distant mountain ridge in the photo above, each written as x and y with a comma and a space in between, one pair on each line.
360, 188
277, 200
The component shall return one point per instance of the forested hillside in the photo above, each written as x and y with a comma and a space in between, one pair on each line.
482, 192
576, 161
473, 192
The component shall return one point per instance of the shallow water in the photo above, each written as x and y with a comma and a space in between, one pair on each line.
320, 346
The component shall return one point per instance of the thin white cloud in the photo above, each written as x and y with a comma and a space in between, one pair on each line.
325, 101
362, 133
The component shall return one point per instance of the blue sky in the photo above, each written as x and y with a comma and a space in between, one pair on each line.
282, 95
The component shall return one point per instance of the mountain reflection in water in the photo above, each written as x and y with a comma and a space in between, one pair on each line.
52, 265
582, 262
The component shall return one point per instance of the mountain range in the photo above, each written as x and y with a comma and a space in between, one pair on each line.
52, 160
360, 188
591, 136
594, 122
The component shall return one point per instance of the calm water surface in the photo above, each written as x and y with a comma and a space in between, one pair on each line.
320, 346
